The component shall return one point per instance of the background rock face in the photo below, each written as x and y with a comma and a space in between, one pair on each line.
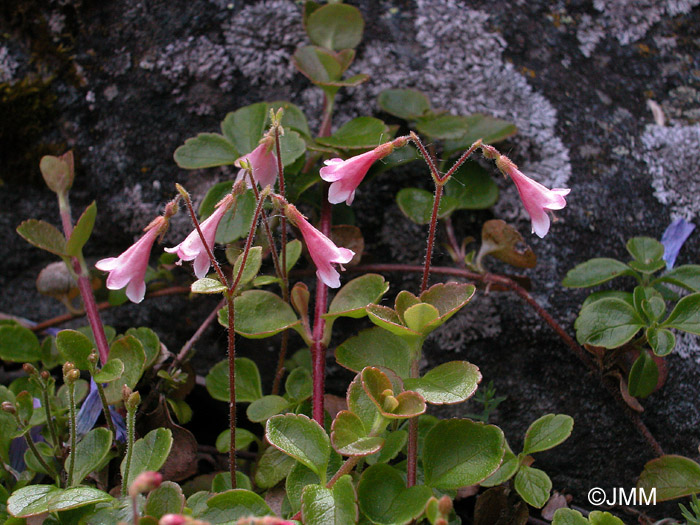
130, 81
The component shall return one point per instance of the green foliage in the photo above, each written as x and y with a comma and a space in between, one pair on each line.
90, 453
384, 498
150, 453
336, 506
18, 344
672, 477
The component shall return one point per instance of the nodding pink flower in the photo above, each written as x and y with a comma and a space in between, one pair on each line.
346, 175
263, 164
536, 198
192, 247
130, 267
322, 250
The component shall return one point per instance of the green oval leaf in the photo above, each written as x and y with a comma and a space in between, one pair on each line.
335, 26
533, 485
247, 376
43, 235
232, 505
352, 299
252, 265
301, 438
149, 341
233, 225
82, 231
358, 133
685, 315
18, 344
594, 272
336, 506
111, 371
166, 499
569, 517
609, 323
417, 205
75, 347
298, 384
448, 383
375, 347
509, 466
662, 341
420, 317
643, 376
480, 126
459, 452
384, 498
349, 436
129, 351
292, 146
206, 285
264, 408
206, 150
672, 477
260, 314
686, 276
547, 432
90, 453
273, 467
408, 104
317, 64
443, 126
645, 250
245, 127
149, 453
31, 500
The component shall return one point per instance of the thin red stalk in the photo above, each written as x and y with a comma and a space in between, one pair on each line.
232, 386
500, 280
461, 160
318, 349
268, 233
325, 129
427, 156
248, 243
86, 294
182, 354
214, 263
431, 238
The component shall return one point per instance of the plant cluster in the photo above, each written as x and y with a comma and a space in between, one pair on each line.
90, 450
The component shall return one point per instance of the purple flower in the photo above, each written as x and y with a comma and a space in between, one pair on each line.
90, 412
673, 239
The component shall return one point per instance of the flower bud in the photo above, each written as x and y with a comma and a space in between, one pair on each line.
390, 403
72, 376
9, 407
67, 368
29, 369
445, 505
126, 392
441, 521
93, 357
134, 401
489, 152
173, 519
145, 482
45, 375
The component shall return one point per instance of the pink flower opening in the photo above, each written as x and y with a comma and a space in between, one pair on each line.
129, 269
192, 248
263, 163
346, 175
537, 199
321, 249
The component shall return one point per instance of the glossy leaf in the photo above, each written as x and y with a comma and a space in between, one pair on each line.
360, 404
421, 317
685, 315
233, 225
129, 351
547, 432
533, 485
358, 133
74, 347
375, 347
244, 438
566, 516
206, 150
350, 437
207, 285
301, 438
384, 498
149, 341
273, 467
643, 376
166, 499
264, 408
82, 231
149, 453
248, 384
260, 314
479, 126
111, 371
381, 391
417, 205
18, 344
394, 442
387, 319
448, 383
471, 187
609, 323
300, 477
686, 276
645, 250
336, 506
90, 453
672, 476
43, 235
244, 127
252, 265
298, 384
598, 517
317, 64
355, 295
335, 26
460, 452
293, 249
38, 499
662, 341
444, 126
509, 466
232, 505
594, 272
408, 104
292, 147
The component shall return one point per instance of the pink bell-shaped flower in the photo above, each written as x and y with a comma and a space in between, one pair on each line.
129, 269
537, 199
192, 247
346, 175
321, 249
263, 163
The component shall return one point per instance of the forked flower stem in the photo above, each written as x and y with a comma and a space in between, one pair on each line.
431, 237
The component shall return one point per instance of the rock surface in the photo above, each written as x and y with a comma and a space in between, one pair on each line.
132, 80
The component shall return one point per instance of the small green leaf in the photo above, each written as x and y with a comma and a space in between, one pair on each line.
459, 452
672, 476
685, 315
57, 172
381, 391
264, 408
244, 438
375, 347
358, 133
18, 344
360, 404
206, 150
149, 341
350, 437
479, 126
384, 498
471, 187
594, 272
150, 453
408, 104
318, 65
301, 438
90, 453
232, 505
222, 482
389, 320
394, 442
336, 506
129, 351
335, 26
248, 384
111, 371
420, 317
417, 205
43, 235
273, 467
569, 517
547, 432
645, 250
292, 147
533, 485
643, 376
443, 126
300, 477
662, 341
293, 250
352, 299
448, 383
77, 497
260, 314
609, 323
654, 308
608, 294
686, 276
166, 499
82, 231
252, 265
245, 127
298, 384
75, 348
509, 466
31, 500
598, 517
207, 285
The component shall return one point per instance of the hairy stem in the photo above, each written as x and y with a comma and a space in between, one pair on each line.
32, 446
49, 420
73, 431
232, 385
130, 437
431, 237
